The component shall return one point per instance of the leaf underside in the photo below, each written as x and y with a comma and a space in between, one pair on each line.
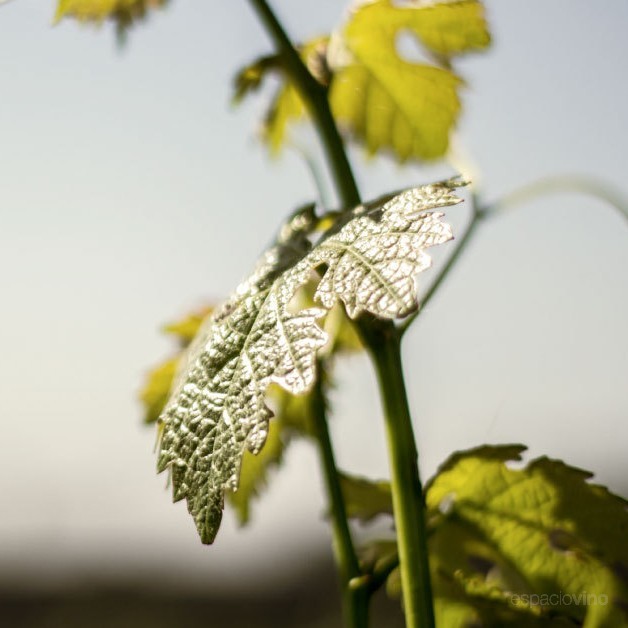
217, 410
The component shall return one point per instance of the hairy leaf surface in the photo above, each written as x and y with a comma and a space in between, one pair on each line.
217, 410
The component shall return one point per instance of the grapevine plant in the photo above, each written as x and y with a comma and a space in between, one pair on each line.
482, 543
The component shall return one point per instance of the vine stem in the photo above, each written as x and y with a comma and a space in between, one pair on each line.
384, 345
355, 598
315, 97
382, 339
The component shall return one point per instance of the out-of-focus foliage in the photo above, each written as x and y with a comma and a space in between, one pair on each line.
254, 470
287, 106
532, 546
365, 499
390, 102
154, 393
217, 410
156, 389
123, 13
381, 98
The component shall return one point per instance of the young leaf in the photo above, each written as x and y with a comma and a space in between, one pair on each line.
378, 97
365, 499
251, 77
156, 390
391, 103
217, 410
562, 534
537, 546
123, 12
253, 474
287, 105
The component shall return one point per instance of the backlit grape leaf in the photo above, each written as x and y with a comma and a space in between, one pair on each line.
371, 263
287, 105
251, 77
122, 12
187, 327
562, 534
535, 546
391, 103
383, 100
217, 410
156, 390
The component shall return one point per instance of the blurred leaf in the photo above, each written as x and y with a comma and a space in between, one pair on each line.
123, 12
250, 78
446, 28
390, 103
254, 470
560, 533
286, 106
156, 389
186, 328
365, 499
503, 540
344, 337
295, 412
378, 97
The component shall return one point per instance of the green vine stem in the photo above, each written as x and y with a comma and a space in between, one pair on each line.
355, 598
315, 97
382, 339
384, 346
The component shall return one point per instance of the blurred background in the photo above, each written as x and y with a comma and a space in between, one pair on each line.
132, 192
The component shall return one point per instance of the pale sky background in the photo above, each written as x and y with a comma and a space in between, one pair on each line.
131, 192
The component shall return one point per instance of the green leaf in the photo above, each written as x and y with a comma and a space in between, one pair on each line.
251, 77
390, 103
446, 28
386, 102
156, 390
287, 105
123, 12
562, 534
532, 546
186, 328
218, 409
365, 499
